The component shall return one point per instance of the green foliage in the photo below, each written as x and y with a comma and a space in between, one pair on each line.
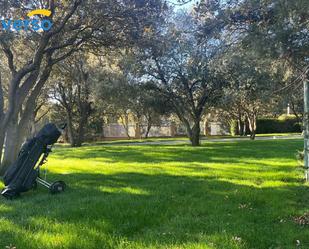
159, 197
270, 39
118, 93
271, 125
182, 69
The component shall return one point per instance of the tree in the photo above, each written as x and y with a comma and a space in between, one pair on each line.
153, 107
290, 92
122, 96
250, 91
28, 76
30, 56
181, 67
274, 30
279, 29
72, 90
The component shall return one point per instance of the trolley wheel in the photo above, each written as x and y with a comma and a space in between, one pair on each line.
57, 187
9, 194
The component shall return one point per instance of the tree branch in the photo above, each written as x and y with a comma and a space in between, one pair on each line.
66, 19
9, 55
1, 99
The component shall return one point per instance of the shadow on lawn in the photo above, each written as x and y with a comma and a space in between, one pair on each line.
246, 159
103, 211
139, 210
210, 152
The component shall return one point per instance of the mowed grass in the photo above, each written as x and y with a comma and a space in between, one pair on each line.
222, 195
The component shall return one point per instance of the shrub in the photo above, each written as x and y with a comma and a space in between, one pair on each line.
270, 125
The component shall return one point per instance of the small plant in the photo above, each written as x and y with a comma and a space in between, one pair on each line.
302, 220
300, 157
10, 247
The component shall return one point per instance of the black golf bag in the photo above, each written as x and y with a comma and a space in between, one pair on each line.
24, 173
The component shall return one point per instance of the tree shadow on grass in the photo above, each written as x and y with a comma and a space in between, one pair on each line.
139, 210
131, 210
210, 152
240, 160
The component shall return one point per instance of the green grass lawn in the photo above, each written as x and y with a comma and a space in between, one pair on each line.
183, 138
222, 195
278, 134
179, 139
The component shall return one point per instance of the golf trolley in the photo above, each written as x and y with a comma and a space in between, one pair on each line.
24, 173
55, 187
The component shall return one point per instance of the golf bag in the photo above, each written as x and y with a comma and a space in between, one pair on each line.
24, 173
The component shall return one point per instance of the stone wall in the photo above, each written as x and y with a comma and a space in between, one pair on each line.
169, 130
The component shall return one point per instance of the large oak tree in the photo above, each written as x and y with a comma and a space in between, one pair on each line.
182, 67
30, 56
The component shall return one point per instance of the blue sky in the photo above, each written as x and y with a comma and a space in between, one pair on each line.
188, 5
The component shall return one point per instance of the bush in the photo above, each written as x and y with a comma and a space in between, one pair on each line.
271, 125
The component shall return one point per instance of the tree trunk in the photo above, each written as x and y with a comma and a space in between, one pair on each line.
12, 145
16, 133
32, 126
2, 131
240, 126
81, 129
252, 125
297, 116
125, 124
70, 130
80, 136
306, 129
245, 128
138, 134
26, 127
252, 135
2, 136
66, 136
206, 130
149, 125
195, 133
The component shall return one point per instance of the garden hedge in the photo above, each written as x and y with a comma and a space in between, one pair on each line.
271, 125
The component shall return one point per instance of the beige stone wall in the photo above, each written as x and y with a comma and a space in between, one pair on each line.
170, 130
118, 131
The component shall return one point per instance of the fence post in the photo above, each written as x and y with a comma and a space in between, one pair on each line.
306, 129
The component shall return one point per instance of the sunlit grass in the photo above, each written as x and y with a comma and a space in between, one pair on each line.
221, 195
